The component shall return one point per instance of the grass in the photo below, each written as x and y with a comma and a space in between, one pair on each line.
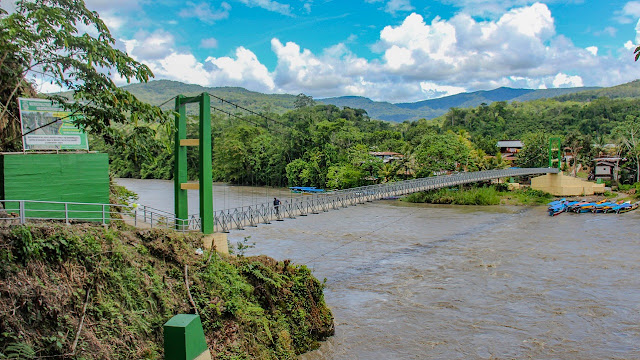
490, 195
251, 307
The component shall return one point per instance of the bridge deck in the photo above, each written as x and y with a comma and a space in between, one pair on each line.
247, 216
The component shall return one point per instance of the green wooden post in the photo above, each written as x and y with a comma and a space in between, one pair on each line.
206, 182
555, 152
180, 167
184, 339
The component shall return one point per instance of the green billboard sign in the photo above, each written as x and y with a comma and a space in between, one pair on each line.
49, 127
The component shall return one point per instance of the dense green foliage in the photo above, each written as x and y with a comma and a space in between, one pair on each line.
319, 145
325, 146
42, 38
491, 195
133, 282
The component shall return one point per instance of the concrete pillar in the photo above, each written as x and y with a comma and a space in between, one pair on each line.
218, 241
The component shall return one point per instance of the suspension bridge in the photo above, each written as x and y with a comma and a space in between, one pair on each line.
239, 218
210, 220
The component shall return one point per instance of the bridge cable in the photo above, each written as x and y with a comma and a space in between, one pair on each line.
247, 110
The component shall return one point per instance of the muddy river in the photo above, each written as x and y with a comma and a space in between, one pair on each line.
408, 281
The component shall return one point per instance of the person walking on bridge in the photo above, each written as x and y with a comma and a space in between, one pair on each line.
276, 206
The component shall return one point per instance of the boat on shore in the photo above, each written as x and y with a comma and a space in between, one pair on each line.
306, 190
597, 207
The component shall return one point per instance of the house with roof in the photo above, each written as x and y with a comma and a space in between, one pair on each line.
607, 168
386, 156
509, 149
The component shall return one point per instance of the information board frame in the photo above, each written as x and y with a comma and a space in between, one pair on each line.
44, 132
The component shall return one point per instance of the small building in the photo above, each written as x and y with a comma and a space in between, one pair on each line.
386, 156
607, 167
509, 149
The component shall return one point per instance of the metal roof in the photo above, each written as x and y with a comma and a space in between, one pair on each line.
509, 144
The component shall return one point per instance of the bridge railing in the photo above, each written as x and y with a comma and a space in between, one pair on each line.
23, 211
241, 217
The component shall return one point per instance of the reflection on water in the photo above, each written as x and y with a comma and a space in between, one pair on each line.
410, 281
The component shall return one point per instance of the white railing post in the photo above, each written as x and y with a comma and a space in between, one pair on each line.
66, 213
22, 213
104, 220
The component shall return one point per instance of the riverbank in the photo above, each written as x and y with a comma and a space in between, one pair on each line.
124, 284
491, 195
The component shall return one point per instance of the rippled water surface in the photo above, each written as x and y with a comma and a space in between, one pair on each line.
410, 281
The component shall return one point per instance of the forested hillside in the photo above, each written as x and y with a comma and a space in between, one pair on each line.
329, 147
158, 91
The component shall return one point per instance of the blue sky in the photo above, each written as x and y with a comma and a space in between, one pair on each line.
386, 50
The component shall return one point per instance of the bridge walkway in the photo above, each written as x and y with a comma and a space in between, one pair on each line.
251, 216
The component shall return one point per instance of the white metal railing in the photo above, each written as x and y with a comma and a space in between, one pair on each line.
22, 211
238, 218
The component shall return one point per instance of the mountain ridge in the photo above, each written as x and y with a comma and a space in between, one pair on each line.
157, 92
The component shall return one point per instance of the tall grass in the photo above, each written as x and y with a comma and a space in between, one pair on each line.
480, 196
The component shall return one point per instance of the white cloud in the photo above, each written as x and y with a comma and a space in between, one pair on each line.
417, 60
245, 71
204, 12
307, 6
629, 45
209, 43
110, 5
608, 31
563, 80
394, 6
150, 46
433, 90
629, 13
284, 9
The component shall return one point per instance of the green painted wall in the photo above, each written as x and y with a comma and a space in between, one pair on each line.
64, 177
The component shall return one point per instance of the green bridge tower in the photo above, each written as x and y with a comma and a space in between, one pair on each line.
205, 183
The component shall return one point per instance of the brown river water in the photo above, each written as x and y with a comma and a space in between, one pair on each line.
414, 281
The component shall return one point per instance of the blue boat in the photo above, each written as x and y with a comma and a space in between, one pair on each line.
305, 190
558, 208
556, 202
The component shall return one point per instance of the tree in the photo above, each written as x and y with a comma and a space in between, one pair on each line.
302, 101
580, 147
535, 152
441, 152
628, 134
42, 37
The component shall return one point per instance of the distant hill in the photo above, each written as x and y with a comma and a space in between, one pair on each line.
158, 91
628, 90
429, 109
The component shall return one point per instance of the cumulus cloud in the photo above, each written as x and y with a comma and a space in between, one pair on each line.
158, 51
284, 9
150, 46
204, 12
417, 60
244, 70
